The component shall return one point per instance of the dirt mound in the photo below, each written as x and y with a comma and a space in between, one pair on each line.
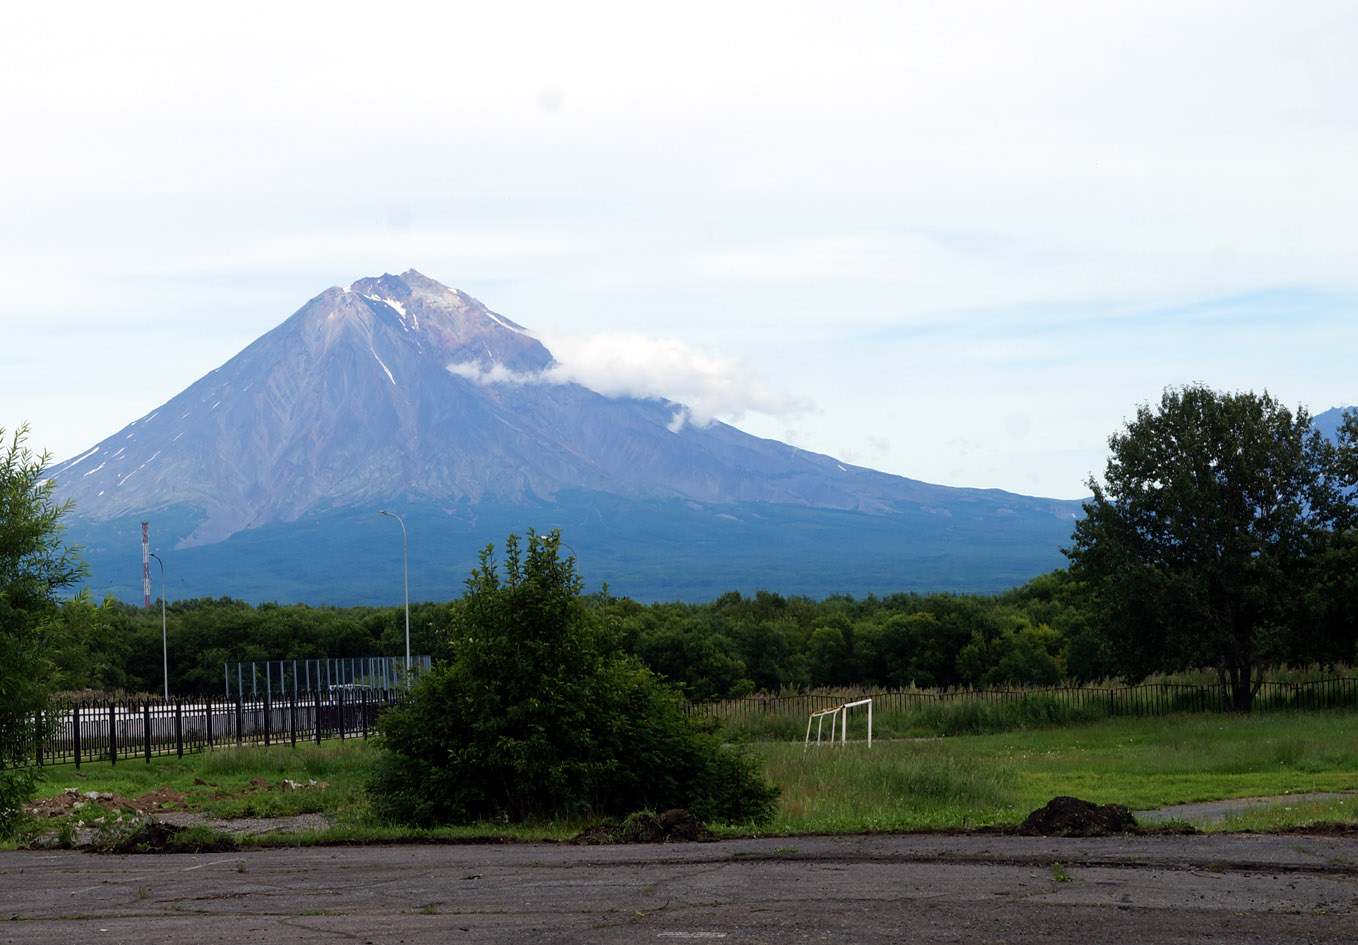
673, 826
1072, 817
160, 799
73, 800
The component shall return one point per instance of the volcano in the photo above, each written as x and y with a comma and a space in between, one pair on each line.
262, 479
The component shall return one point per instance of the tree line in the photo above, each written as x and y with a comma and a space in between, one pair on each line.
734, 646
1223, 535
1042, 633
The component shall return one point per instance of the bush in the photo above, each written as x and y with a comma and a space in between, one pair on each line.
35, 564
537, 714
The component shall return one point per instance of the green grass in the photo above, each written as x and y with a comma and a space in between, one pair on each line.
240, 782
997, 779
890, 786
1179, 759
952, 783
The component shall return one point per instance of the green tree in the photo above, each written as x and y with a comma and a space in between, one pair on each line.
35, 563
537, 713
703, 665
830, 658
1196, 547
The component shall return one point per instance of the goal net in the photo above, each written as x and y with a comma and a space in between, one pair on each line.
839, 723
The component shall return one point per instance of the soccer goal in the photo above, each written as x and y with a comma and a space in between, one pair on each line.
839, 721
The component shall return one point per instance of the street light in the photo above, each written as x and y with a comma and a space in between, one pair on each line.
164, 640
405, 559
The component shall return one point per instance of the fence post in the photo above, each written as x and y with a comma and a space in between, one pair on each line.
343, 722
178, 727
146, 727
240, 719
268, 711
75, 732
292, 707
207, 715
317, 720
112, 735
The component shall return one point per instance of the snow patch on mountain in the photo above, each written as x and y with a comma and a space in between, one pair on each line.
83, 456
383, 364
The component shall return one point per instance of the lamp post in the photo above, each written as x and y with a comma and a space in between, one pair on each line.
164, 639
405, 560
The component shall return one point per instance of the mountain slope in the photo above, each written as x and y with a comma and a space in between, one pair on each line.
1328, 422
400, 392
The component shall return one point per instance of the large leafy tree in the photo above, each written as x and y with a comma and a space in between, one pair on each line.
35, 564
1199, 542
537, 713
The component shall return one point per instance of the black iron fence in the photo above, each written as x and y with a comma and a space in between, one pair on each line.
1143, 700
80, 732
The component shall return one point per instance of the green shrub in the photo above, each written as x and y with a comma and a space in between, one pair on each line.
537, 714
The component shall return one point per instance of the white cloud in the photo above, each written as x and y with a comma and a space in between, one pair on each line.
634, 365
630, 364
479, 372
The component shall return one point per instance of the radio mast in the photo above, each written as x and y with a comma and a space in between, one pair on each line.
146, 561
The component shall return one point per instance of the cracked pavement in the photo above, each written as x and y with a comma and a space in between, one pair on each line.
925, 888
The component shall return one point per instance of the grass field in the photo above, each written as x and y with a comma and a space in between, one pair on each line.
997, 779
953, 783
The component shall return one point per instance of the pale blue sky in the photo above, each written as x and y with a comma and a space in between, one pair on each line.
956, 241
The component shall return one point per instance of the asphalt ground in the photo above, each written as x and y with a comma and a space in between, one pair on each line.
919, 889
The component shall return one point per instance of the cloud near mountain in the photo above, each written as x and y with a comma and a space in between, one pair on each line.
631, 364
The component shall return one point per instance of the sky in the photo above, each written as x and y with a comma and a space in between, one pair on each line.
959, 242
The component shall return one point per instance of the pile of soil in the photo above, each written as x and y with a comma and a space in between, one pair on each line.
1072, 817
72, 800
673, 826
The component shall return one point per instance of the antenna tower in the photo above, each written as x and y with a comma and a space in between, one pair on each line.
146, 561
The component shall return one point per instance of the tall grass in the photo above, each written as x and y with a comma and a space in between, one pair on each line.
958, 716
888, 787
975, 717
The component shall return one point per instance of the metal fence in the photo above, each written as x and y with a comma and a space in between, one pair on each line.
115, 731
255, 678
1144, 700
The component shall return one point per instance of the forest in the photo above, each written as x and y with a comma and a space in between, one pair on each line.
1042, 633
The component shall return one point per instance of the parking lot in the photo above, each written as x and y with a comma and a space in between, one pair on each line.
871, 888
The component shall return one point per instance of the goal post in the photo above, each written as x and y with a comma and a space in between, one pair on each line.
839, 720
